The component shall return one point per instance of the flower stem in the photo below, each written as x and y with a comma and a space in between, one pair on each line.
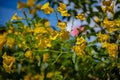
26, 18
72, 21
50, 51
56, 14
57, 58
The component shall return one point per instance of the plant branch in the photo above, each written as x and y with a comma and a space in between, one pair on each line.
26, 18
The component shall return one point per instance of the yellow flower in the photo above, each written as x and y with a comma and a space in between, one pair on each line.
110, 30
46, 5
33, 11
10, 42
105, 44
38, 77
65, 13
80, 46
54, 35
38, 6
118, 66
38, 25
45, 57
27, 29
16, 33
28, 54
62, 7
106, 2
111, 48
50, 74
62, 25
10, 29
117, 22
111, 8
64, 35
47, 24
15, 17
44, 43
111, 26
28, 76
97, 19
78, 50
31, 3
108, 24
20, 5
80, 41
47, 42
38, 37
104, 9
39, 30
2, 40
41, 77
80, 16
46, 8
108, 6
119, 37
8, 62
102, 37
49, 30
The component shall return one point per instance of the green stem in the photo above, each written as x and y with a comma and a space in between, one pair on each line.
56, 14
26, 18
72, 21
50, 51
58, 56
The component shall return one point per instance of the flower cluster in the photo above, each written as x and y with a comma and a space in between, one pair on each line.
80, 46
111, 26
108, 6
2, 40
62, 9
80, 16
31, 49
46, 8
112, 49
8, 62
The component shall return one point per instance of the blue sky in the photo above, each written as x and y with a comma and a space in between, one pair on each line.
9, 7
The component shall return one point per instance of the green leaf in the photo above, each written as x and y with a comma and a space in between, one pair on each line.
117, 15
74, 58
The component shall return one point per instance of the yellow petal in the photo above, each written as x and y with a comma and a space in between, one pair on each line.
46, 5
30, 3
20, 5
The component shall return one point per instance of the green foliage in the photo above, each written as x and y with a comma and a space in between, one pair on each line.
38, 52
